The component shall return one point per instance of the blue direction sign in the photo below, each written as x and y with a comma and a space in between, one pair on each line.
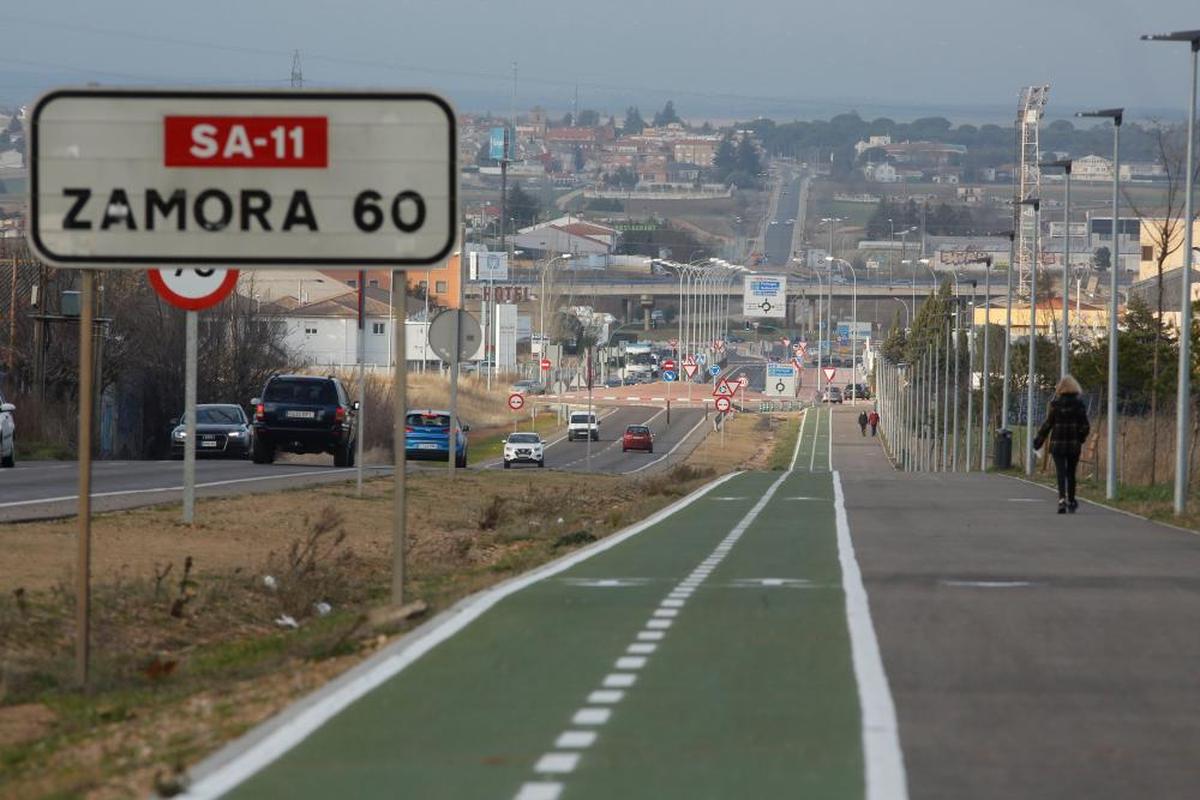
714, 370
668, 375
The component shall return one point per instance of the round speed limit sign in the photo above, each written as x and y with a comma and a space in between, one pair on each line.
516, 401
193, 289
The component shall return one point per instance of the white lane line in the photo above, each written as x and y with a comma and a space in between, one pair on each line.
630, 662
672, 602
244, 757
603, 696
614, 442
987, 584
578, 739
162, 489
540, 790
666, 612
831, 438
620, 680
659, 624
812, 456
799, 438
640, 648
557, 763
882, 756
591, 716
650, 636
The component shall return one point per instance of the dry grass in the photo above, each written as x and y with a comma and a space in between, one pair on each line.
187, 649
747, 444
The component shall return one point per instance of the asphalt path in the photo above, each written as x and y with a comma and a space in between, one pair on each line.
672, 441
778, 244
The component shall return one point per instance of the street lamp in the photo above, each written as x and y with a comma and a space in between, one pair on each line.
854, 333
1036, 204
1007, 380
1116, 115
1063, 356
1183, 396
907, 316
542, 302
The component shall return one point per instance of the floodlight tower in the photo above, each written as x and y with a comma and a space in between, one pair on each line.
1028, 180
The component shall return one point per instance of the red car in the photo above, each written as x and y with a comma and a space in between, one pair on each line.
637, 437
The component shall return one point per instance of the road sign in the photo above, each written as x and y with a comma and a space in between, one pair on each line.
714, 370
764, 296
690, 367
830, 373
724, 404
516, 401
545, 364
268, 179
743, 381
193, 289
719, 346
723, 389
668, 364
668, 375
780, 380
441, 335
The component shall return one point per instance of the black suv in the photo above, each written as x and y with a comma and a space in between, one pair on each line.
305, 414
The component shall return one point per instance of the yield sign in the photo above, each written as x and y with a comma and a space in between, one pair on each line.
690, 366
723, 389
830, 373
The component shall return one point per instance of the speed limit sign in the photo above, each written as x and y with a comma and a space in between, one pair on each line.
193, 289
516, 401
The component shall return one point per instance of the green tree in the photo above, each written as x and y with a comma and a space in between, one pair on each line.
1137, 339
748, 160
522, 207
634, 124
667, 115
725, 159
895, 343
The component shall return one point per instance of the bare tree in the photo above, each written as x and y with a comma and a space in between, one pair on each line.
1166, 232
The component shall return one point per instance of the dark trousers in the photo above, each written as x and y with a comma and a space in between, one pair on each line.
1065, 465
873, 429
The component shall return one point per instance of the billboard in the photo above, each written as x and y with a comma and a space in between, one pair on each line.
765, 296
506, 336
488, 266
496, 144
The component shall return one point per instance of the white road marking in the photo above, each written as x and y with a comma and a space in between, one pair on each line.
1026, 499
539, 790
575, 739
666, 612
639, 648
557, 763
882, 756
244, 757
987, 584
620, 680
806, 498
630, 662
799, 438
591, 716
659, 624
605, 583
728, 498
672, 602
650, 636
602, 696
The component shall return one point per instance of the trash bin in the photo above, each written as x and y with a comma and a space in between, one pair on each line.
1002, 450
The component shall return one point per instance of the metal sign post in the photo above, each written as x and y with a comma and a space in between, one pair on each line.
189, 411
399, 413
83, 567
362, 386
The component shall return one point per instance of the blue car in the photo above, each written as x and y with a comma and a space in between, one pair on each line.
427, 436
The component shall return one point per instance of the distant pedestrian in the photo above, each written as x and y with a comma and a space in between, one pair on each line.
873, 421
1067, 428
862, 422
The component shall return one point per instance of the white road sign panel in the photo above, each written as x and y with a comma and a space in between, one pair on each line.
130, 178
516, 402
690, 367
723, 404
830, 373
764, 296
781, 380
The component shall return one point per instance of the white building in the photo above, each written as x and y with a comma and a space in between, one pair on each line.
881, 173
1092, 168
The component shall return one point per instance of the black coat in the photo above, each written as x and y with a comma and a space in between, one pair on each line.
1066, 426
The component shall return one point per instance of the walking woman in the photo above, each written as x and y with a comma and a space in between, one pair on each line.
1067, 428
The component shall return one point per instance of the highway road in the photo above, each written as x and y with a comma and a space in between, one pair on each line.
47, 489
778, 244
834, 630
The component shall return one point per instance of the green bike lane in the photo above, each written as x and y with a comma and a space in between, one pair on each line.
706, 656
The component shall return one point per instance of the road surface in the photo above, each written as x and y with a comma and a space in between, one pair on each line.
857, 633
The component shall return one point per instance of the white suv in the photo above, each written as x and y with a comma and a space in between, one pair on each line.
524, 448
8, 430
582, 426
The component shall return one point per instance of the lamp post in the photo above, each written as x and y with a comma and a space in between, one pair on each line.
1183, 398
1064, 354
1110, 477
854, 322
1007, 380
1037, 222
542, 301
987, 364
907, 316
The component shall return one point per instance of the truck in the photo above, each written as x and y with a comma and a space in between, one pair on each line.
639, 360
582, 425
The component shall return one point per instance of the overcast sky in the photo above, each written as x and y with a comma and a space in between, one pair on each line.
965, 59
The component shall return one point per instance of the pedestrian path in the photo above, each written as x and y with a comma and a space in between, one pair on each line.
724, 651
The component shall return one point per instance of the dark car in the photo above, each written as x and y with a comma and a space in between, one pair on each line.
858, 391
304, 414
221, 430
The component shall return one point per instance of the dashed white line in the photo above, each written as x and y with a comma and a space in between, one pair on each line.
539, 790
578, 739
606, 696
630, 662
620, 680
641, 648
591, 716
557, 762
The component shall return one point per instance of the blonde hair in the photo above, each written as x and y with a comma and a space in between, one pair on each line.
1068, 385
